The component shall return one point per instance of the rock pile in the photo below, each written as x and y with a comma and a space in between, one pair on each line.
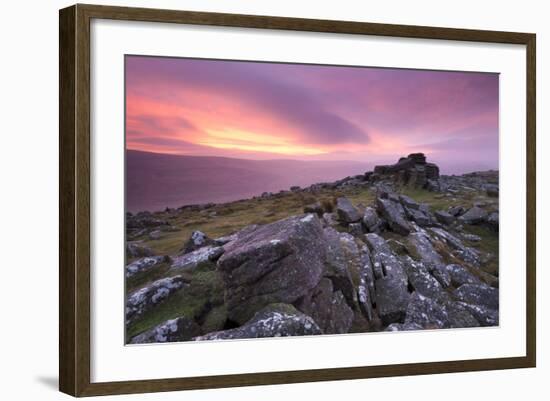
412, 171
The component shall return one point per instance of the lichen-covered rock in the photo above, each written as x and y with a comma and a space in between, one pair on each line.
370, 220
328, 308
421, 217
456, 211
409, 202
461, 275
316, 208
475, 215
205, 256
467, 254
422, 281
391, 291
346, 212
366, 294
179, 329
356, 229
342, 258
147, 297
421, 247
431, 314
444, 217
135, 250
471, 237
197, 240
485, 316
277, 262
329, 220
394, 214
275, 320
145, 264
403, 327
478, 294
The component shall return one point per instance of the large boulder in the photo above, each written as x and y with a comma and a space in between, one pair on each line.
391, 290
423, 282
342, 259
197, 240
275, 320
467, 254
420, 246
370, 220
277, 262
149, 296
485, 316
145, 264
474, 215
444, 217
366, 293
394, 214
328, 308
478, 294
179, 329
135, 250
431, 314
346, 212
202, 257
461, 275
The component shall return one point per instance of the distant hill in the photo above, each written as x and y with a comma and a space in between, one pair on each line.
155, 181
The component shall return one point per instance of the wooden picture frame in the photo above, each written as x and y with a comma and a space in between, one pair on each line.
74, 203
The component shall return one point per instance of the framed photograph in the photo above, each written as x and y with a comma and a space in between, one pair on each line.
250, 200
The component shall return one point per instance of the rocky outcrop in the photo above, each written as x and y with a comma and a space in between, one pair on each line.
202, 257
394, 214
197, 240
276, 320
475, 215
277, 262
148, 297
145, 264
346, 212
412, 171
328, 308
179, 329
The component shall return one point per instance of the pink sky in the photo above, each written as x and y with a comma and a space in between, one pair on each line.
279, 111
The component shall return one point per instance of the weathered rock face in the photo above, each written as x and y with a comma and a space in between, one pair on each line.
420, 245
145, 264
475, 215
202, 257
394, 214
277, 262
197, 240
147, 297
275, 320
179, 329
478, 294
412, 171
467, 254
347, 213
370, 220
423, 282
328, 308
391, 291
134, 250
430, 314
444, 217
460, 275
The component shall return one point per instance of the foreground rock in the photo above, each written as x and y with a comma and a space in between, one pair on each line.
135, 250
328, 308
346, 212
276, 320
277, 262
197, 240
148, 297
145, 264
392, 296
180, 329
430, 314
478, 294
394, 214
202, 257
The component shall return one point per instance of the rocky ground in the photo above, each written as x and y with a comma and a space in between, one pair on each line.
399, 248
